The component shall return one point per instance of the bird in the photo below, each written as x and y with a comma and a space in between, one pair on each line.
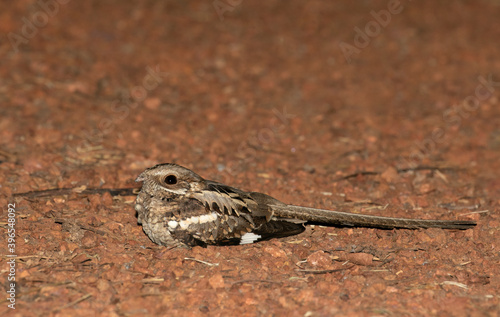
178, 208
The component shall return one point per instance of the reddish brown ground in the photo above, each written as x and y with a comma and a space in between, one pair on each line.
260, 97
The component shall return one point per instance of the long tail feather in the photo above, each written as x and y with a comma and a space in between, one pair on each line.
349, 219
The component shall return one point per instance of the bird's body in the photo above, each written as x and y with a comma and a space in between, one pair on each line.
177, 207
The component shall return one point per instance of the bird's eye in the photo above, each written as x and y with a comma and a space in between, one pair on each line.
171, 179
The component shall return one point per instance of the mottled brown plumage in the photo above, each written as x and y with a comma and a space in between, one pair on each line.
177, 207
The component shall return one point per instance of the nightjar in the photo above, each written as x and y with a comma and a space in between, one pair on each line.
177, 207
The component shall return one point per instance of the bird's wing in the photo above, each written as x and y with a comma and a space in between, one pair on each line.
225, 200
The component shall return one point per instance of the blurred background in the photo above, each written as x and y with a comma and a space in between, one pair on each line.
236, 85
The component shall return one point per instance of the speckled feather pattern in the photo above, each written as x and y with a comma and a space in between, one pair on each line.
177, 207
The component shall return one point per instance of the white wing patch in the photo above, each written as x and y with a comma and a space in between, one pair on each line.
184, 224
172, 224
249, 237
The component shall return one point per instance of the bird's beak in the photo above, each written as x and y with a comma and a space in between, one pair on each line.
140, 178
